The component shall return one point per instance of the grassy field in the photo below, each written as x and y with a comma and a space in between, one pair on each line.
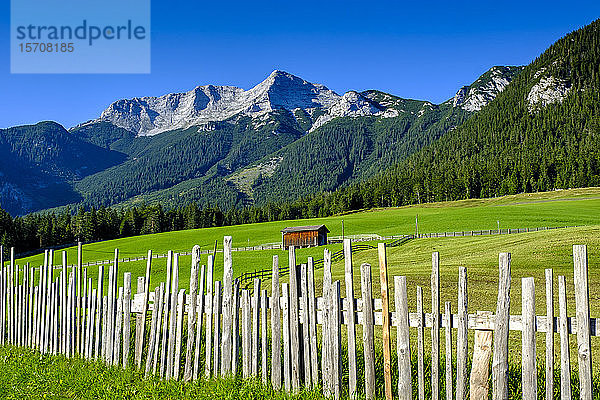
531, 254
560, 208
579, 207
25, 373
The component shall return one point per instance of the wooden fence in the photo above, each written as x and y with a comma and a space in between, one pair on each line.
221, 329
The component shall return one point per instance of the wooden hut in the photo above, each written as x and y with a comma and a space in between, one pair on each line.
304, 236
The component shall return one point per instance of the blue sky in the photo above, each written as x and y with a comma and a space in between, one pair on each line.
424, 50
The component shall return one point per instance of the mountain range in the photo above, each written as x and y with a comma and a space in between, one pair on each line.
223, 145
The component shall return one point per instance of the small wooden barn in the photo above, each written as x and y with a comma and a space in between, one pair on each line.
304, 236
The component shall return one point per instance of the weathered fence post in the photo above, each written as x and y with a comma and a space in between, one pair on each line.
209, 315
152, 341
3, 300
500, 357
217, 328
165, 317
582, 306
227, 309
294, 321
159, 322
192, 309
565, 357
368, 330
305, 324
178, 338
53, 319
462, 336
31, 305
126, 317
48, 329
91, 319
482, 350
312, 311
200, 314
529, 375
387, 357
71, 313
420, 344
349, 283
263, 335
435, 328
84, 314
99, 311
173, 317
63, 304
403, 339
549, 334
275, 327
255, 327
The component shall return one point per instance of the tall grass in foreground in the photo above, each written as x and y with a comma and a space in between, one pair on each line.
25, 373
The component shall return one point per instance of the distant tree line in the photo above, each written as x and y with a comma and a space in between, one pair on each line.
50, 229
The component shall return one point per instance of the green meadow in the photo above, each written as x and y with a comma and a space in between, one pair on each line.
559, 208
531, 254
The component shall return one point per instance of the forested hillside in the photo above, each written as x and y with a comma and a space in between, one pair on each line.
541, 133
39, 162
346, 151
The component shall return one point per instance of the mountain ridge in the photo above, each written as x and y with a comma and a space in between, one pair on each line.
151, 115
213, 135
210, 103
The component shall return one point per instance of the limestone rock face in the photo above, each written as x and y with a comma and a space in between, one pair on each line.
153, 115
351, 104
547, 91
485, 89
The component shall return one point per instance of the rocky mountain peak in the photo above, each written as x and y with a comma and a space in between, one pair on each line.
146, 116
485, 89
153, 115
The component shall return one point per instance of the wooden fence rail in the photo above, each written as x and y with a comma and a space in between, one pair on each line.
229, 328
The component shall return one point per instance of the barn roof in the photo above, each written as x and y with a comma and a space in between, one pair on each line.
307, 228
